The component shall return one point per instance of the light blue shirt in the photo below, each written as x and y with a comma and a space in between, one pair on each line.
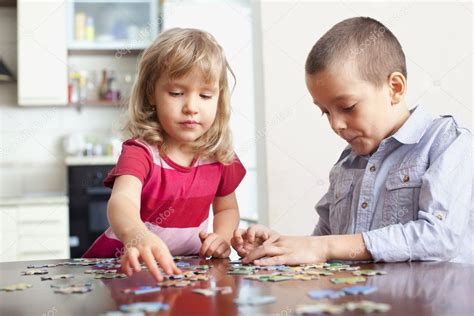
412, 199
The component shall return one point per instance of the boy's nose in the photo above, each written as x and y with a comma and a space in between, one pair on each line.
337, 123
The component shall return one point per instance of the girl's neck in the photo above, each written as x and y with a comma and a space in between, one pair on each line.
179, 154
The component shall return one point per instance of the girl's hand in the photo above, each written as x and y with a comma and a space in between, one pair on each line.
148, 248
213, 245
290, 250
246, 240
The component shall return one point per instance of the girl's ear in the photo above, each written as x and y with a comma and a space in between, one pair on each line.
397, 84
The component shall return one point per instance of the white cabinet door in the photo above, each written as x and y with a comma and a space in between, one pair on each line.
42, 52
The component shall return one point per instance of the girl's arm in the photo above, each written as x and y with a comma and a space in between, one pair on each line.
226, 220
123, 211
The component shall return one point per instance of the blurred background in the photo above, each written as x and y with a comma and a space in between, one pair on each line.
66, 69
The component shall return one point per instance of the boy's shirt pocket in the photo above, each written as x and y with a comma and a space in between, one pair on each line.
340, 209
402, 193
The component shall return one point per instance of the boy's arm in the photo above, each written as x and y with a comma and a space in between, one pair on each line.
445, 204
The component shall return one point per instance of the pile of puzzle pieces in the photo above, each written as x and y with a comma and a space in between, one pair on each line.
194, 274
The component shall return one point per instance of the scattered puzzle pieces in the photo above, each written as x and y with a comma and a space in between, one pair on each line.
212, 291
322, 308
348, 280
45, 265
255, 300
16, 287
369, 272
175, 283
147, 307
367, 307
73, 290
360, 289
34, 272
101, 271
142, 290
319, 294
57, 277
110, 276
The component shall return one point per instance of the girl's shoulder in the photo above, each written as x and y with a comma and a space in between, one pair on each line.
148, 149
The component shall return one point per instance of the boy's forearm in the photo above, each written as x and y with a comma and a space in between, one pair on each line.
225, 222
124, 219
345, 247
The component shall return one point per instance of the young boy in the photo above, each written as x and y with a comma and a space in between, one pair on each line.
402, 188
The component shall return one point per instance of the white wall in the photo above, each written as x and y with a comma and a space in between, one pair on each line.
300, 147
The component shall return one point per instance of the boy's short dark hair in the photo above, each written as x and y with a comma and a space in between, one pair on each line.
368, 42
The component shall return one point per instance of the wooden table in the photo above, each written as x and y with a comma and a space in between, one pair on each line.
411, 288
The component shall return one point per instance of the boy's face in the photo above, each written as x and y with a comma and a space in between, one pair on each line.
359, 112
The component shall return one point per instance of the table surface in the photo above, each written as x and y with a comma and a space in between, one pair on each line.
417, 288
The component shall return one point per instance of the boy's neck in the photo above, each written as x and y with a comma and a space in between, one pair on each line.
402, 117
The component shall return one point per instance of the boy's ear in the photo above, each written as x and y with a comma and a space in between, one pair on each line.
397, 84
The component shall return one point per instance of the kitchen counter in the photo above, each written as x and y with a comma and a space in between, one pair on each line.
90, 160
35, 199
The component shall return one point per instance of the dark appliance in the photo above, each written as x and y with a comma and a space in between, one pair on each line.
87, 205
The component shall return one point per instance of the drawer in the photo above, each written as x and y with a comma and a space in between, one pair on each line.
8, 218
45, 244
42, 213
42, 255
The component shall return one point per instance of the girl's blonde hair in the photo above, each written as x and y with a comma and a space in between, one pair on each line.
176, 53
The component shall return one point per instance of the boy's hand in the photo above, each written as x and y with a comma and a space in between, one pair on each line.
148, 248
213, 245
290, 250
245, 240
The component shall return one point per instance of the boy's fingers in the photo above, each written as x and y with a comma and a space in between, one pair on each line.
150, 262
273, 237
277, 260
263, 251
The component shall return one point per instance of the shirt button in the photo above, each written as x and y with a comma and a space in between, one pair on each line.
406, 178
364, 205
440, 217
372, 169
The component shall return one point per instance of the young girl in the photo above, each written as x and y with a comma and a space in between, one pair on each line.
178, 162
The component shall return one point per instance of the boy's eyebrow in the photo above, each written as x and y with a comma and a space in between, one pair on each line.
342, 97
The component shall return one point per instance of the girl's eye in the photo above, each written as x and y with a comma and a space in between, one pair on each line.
175, 94
205, 96
348, 109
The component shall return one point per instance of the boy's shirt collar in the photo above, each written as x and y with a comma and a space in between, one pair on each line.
415, 126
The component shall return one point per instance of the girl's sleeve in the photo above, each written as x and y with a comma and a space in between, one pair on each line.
232, 175
135, 160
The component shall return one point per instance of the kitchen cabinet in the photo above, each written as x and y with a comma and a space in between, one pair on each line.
119, 25
34, 229
42, 53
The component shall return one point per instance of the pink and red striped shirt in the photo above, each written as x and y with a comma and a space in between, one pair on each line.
175, 200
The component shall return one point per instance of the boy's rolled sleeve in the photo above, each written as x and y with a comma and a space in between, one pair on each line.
445, 204
322, 208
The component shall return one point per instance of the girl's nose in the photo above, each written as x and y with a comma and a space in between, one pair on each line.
190, 106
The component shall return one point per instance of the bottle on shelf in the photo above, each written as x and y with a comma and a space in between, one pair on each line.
104, 86
90, 29
80, 27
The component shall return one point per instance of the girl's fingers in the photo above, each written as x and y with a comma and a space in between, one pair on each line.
150, 262
132, 255
165, 260
206, 243
211, 251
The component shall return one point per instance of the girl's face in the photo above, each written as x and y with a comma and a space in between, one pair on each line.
186, 107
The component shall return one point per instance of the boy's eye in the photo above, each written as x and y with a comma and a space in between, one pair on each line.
175, 93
